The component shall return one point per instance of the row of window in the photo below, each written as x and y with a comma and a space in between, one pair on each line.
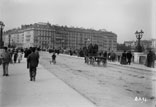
78, 35
48, 33
78, 39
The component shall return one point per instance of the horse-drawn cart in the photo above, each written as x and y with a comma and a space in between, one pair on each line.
95, 59
92, 56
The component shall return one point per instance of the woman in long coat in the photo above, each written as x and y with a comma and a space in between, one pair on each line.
15, 56
150, 59
124, 58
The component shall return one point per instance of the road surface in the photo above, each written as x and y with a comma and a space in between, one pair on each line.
111, 86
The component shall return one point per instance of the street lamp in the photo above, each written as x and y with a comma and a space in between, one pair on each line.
1, 34
53, 42
9, 41
1, 41
139, 36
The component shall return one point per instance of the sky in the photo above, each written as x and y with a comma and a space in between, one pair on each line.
123, 17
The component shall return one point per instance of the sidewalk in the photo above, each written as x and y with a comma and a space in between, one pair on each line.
47, 91
135, 66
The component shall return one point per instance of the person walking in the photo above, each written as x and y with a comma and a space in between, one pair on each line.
150, 59
25, 53
112, 56
6, 58
11, 54
33, 60
105, 56
153, 59
129, 57
29, 51
15, 56
19, 56
37, 52
54, 58
124, 58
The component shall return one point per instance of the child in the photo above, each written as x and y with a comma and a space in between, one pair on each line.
54, 58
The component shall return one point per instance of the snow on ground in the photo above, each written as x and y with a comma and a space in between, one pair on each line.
111, 86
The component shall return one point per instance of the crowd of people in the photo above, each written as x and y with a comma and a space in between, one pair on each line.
126, 57
13, 56
10, 56
32, 55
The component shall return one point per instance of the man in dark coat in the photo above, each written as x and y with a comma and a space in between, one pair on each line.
6, 58
129, 57
153, 59
124, 58
150, 59
25, 53
33, 60
15, 56
105, 56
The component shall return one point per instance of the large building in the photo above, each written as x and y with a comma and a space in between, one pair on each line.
45, 35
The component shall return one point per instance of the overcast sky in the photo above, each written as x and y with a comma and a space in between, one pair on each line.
122, 17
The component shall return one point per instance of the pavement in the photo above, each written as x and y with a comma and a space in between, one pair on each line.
17, 90
135, 66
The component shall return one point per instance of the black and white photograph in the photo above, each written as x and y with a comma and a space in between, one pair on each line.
77, 53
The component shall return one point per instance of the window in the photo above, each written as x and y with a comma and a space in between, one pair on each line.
28, 37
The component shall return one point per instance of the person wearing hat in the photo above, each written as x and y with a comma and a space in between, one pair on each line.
33, 60
6, 58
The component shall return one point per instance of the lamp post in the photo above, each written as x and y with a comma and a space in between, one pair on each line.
53, 42
139, 36
1, 40
9, 41
1, 34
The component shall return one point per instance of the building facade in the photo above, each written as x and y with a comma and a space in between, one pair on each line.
45, 36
